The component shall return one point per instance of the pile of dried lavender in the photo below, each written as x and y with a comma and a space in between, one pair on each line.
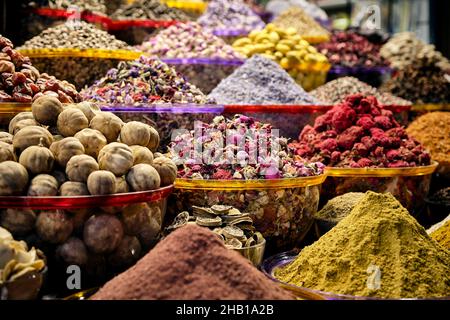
142, 81
260, 81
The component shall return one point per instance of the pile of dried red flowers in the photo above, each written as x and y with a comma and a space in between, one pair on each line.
350, 49
359, 133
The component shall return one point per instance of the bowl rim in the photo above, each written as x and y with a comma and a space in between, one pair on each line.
443, 106
267, 267
16, 107
42, 272
382, 172
278, 108
81, 295
203, 61
12, 108
254, 184
80, 202
156, 108
95, 53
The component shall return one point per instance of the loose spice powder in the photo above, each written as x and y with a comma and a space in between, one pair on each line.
191, 264
442, 235
432, 130
436, 226
339, 207
378, 238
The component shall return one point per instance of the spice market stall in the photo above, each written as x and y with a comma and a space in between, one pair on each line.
193, 150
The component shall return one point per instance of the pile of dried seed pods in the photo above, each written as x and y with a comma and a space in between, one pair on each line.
148, 10
228, 223
20, 81
81, 36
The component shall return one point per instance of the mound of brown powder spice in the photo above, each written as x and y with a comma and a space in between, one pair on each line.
191, 264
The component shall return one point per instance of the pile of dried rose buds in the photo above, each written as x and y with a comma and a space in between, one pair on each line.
239, 148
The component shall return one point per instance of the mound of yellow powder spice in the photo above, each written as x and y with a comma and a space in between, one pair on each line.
442, 235
378, 250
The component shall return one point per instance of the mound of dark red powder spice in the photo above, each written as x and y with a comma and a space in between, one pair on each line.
359, 133
191, 263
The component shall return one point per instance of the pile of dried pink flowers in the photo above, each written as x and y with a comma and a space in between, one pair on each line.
240, 148
359, 133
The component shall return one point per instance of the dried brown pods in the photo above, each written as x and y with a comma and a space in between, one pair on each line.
89, 109
19, 117
142, 177
37, 159
167, 170
24, 123
153, 144
127, 252
141, 155
43, 185
116, 157
31, 136
107, 123
6, 137
73, 251
65, 149
18, 221
102, 233
101, 182
92, 140
122, 185
70, 121
13, 178
46, 110
80, 167
53, 226
75, 189
6, 152
135, 133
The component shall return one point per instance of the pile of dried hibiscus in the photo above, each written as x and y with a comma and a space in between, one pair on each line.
359, 133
